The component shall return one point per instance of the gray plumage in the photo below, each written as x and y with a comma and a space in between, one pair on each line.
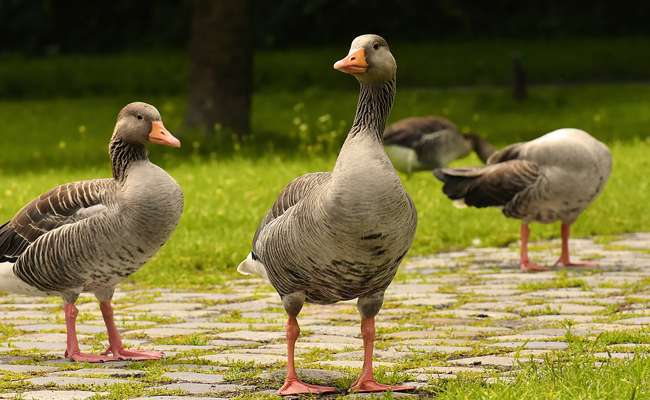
554, 177
426, 143
340, 235
88, 236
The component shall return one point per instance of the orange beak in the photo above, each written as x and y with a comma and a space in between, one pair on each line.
159, 134
353, 63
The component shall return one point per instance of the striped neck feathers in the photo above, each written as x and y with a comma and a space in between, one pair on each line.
122, 155
375, 102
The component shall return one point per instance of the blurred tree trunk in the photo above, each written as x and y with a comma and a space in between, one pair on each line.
221, 66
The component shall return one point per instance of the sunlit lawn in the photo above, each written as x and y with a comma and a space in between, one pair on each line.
229, 185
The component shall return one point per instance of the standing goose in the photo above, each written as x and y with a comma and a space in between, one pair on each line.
88, 236
340, 235
554, 177
426, 143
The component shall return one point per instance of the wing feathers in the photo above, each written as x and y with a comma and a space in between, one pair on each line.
511, 152
409, 131
56, 207
296, 190
493, 185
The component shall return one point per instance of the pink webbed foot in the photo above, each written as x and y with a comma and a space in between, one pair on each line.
293, 386
528, 266
134, 355
91, 358
372, 385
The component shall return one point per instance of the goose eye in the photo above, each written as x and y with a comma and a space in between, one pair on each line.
375, 46
139, 116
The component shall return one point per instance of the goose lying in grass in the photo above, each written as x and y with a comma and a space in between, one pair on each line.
88, 236
552, 178
426, 143
340, 235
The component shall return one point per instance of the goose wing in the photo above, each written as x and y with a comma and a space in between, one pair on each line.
511, 152
295, 191
408, 132
440, 147
489, 186
59, 206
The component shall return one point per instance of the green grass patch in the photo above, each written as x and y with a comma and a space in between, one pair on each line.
193, 339
576, 374
640, 336
562, 281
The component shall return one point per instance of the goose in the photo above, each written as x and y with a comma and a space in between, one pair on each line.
552, 178
88, 236
340, 235
426, 143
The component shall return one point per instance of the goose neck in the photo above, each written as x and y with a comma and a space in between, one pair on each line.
375, 102
123, 154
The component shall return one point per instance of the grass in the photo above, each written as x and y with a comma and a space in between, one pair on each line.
571, 374
562, 281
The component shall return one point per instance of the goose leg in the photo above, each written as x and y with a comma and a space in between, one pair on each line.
366, 381
115, 344
293, 385
72, 350
564, 257
525, 263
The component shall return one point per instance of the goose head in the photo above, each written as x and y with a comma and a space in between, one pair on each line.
139, 123
369, 60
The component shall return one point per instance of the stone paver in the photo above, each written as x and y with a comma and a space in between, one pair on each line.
52, 395
468, 311
66, 380
201, 388
178, 398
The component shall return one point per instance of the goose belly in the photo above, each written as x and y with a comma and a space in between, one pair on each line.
342, 279
564, 197
338, 262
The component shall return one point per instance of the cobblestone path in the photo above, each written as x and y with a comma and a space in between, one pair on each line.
469, 311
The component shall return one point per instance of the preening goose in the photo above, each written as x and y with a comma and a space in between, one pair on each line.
88, 236
340, 235
554, 177
426, 143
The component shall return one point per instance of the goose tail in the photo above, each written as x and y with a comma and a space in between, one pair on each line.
490, 186
9, 282
251, 265
461, 184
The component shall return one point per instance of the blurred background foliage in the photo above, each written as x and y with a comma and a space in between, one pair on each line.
46, 27
77, 48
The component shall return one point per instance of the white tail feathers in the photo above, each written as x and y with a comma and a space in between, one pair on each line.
250, 266
9, 282
460, 203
